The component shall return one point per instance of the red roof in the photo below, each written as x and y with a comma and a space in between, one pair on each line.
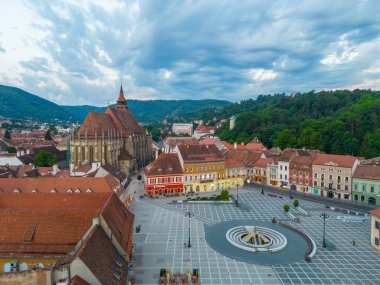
346, 161
205, 129
208, 140
263, 162
200, 153
233, 163
255, 146
59, 185
78, 281
375, 212
371, 172
165, 164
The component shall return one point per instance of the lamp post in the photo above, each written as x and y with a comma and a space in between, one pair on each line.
290, 190
324, 216
189, 214
237, 196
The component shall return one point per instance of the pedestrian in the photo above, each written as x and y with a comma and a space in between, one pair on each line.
353, 242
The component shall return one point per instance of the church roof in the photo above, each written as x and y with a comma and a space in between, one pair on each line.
125, 121
111, 123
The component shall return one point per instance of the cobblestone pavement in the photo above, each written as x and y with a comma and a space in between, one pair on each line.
164, 235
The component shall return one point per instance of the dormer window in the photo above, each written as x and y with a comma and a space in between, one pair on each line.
89, 190
34, 191
70, 191
77, 191
16, 191
53, 191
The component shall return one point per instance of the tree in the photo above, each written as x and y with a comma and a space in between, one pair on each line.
286, 208
45, 159
53, 129
285, 138
296, 203
224, 195
7, 134
11, 149
371, 144
48, 136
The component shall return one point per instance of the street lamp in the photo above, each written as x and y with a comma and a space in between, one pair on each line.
189, 214
237, 196
324, 216
292, 187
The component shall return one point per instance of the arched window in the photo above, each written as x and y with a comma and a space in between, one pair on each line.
91, 154
372, 201
83, 153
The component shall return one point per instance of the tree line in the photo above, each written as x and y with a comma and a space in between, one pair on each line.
339, 122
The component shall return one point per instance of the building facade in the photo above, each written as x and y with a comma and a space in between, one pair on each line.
375, 228
366, 184
164, 176
204, 167
301, 171
182, 129
112, 137
332, 175
283, 168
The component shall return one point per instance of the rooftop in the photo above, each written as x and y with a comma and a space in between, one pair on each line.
200, 153
346, 161
367, 172
165, 164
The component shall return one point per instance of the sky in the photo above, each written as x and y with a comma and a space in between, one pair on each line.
78, 52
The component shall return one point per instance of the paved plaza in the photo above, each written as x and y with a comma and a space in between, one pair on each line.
164, 235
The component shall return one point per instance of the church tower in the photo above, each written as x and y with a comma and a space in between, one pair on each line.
121, 102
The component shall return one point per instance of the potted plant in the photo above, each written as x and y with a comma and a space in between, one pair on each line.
274, 220
286, 208
296, 203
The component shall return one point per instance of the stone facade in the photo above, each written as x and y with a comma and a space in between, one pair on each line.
112, 137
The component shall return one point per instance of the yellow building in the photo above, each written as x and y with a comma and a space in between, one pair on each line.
204, 168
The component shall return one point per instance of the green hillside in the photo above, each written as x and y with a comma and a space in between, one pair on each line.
156, 110
19, 104
340, 122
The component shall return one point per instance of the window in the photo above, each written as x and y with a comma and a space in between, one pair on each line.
372, 188
171, 179
286, 167
346, 187
152, 181
280, 167
377, 225
363, 188
201, 168
322, 184
186, 178
376, 241
197, 169
356, 186
280, 176
186, 169
315, 176
346, 196
307, 173
294, 172
307, 182
191, 178
166, 180
300, 172
346, 179
330, 177
315, 183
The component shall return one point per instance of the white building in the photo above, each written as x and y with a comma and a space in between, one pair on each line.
283, 168
182, 129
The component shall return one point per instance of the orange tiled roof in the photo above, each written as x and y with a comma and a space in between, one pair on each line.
78, 281
233, 163
59, 185
367, 172
346, 161
375, 212
165, 164
205, 129
263, 162
102, 258
200, 153
120, 220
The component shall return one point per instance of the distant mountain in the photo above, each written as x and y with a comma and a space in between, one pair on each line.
19, 104
155, 110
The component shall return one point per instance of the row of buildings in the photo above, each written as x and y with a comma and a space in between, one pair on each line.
211, 164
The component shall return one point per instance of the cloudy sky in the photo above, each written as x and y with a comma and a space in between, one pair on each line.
77, 52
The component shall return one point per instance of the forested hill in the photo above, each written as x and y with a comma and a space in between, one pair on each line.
340, 122
156, 110
17, 103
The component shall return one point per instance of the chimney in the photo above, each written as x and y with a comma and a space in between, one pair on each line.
156, 154
235, 145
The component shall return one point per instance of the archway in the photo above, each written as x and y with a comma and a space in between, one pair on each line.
372, 201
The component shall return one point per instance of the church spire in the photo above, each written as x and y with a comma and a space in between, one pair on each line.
121, 102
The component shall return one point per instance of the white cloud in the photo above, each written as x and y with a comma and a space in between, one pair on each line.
261, 74
345, 53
